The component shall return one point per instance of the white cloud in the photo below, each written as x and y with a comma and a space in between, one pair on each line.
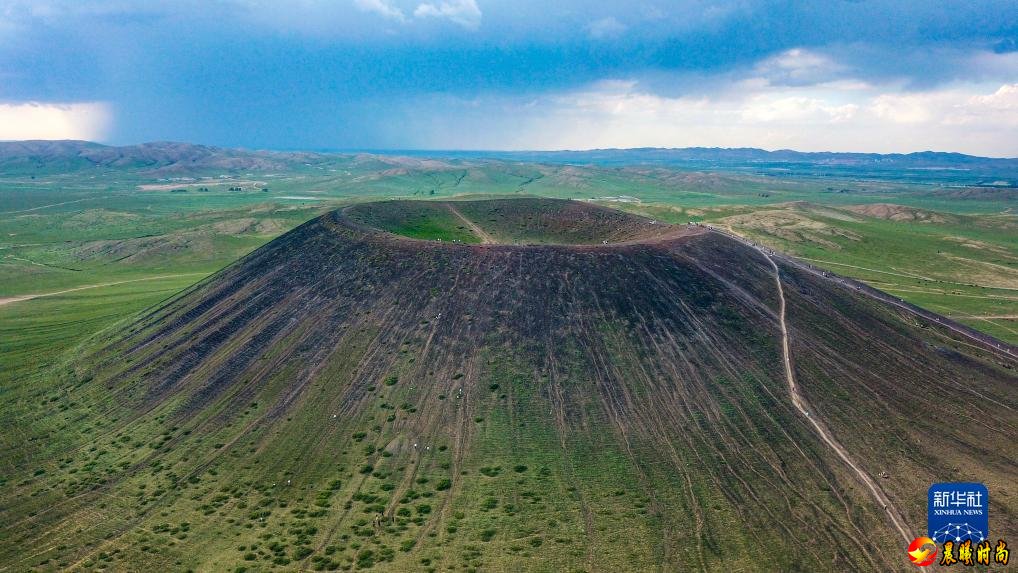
381, 7
623, 113
606, 28
766, 108
902, 108
797, 67
1003, 100
463, 12
31, 120
621, 99
963, 118
796, 99
956, 106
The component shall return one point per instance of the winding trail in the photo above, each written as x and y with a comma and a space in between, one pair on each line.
800, 404
484, 236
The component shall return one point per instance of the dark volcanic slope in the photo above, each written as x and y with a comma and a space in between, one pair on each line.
590, 407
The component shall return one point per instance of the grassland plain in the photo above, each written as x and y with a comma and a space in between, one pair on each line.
346, 399
61, 229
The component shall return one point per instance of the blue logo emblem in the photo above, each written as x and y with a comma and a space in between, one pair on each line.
957, 512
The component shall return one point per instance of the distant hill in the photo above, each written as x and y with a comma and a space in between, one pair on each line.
751, 154
921, 166
170, 158
616, 399
159, 157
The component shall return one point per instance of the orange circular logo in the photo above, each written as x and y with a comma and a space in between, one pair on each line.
922, 551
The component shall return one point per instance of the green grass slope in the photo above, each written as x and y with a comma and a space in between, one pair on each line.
417, 219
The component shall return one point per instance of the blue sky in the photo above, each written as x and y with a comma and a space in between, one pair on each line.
859, 75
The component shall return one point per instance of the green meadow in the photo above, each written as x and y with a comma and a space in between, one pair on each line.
954, 251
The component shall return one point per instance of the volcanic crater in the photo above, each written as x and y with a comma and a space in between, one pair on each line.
526, 222
535, 384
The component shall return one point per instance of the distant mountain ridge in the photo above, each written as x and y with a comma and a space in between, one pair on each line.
928, 166
175, 157
755, 155
157, 156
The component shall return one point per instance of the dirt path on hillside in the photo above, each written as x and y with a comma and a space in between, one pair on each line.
20, 298
987, 342
800, 404
485, 237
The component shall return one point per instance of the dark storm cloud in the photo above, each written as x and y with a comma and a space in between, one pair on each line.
323, 74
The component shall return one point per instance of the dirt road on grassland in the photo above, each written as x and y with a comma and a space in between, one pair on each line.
484, 236
20, 298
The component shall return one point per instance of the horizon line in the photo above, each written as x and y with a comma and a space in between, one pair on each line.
398, 150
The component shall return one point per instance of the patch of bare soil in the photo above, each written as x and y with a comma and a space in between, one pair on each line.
790, 225
893, 212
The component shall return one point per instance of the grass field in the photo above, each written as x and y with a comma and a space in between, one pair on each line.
420, 220
962, 266
950, 250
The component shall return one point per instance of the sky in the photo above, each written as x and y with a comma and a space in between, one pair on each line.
833, 75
